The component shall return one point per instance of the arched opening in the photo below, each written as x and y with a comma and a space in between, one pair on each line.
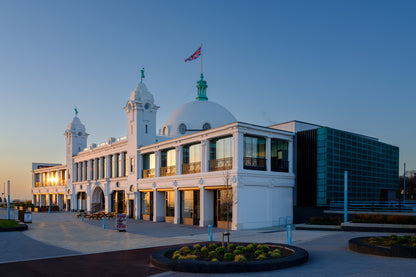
81, 200
98, 201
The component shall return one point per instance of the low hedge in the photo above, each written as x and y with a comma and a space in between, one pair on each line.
384, 219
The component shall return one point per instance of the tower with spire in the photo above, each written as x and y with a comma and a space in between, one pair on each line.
201, 85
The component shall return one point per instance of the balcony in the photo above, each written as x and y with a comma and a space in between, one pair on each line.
37, 184
221, 164
254, 163
149, 173
280, 165
191, 168
167, 170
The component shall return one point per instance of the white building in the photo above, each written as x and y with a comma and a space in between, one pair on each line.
202, 164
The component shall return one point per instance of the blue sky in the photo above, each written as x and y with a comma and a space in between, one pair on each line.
345, 64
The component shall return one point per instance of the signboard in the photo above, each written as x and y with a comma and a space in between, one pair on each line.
121, 222
28, 218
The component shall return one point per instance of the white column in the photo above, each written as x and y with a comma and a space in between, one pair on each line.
89, 196
137, 211
122, 163
290, 156
101, 174
207, 207
139, 166
177, 219
40, 180
238, 150
157, 165
90, 172
85, 169
158, 206
178, 160
107, 198
108, 166
206, 157
268, 154
80, 171
115, 165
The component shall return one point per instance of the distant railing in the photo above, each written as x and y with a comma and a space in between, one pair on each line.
372, 205
149, 173
191, 168
168, 170
221, 164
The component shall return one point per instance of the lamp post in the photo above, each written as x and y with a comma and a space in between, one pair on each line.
8, 199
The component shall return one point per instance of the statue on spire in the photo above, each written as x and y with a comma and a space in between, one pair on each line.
142, 75
76, 111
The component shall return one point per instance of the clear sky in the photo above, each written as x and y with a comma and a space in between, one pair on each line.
349, 65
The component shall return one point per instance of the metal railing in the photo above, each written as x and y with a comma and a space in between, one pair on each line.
254, 163
372, 205
167, 170
191, 168
149, 173
221, 164
279, 165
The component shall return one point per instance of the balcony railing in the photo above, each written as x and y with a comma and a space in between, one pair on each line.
280, 165
167, 170
191, 168
37, 184
149, 173
221, 164
254, 163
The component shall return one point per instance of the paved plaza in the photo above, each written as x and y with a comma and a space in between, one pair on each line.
64, 235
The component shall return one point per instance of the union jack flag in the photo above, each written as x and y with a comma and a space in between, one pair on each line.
195, 55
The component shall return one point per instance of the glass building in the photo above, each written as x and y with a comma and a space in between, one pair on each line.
323, 154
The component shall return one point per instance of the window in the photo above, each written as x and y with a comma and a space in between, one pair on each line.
168, 162
279, 155
132, 164
149, 165
220, 154
191, 158
146, 128
125, 164
254, 153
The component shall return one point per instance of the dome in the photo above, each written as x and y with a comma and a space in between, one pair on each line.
76, 125
196, 116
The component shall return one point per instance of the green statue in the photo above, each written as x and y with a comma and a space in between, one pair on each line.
142, 75
76, 111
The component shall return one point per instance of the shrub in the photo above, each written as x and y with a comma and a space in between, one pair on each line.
237, 252
325, 220
258, 253
239, 248
261, 257
252, 246
197, 248
212, 247
214, 260
221, 250
240, 258
274, 254
185, 250
212, 254
232, 246
204, 250
263, 248
176, 255
246, 249
229, 256
191, 257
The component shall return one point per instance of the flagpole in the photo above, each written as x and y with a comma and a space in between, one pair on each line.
201, 58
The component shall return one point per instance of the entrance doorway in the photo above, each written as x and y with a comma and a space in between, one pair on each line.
190, 207
146, 205
131, 208
98, 200
223, 208
118, 202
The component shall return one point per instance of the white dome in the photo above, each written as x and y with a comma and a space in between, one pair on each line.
195, 116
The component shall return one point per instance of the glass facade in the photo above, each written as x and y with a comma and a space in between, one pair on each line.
191, 158
254, 153
373, 166
149, 165
170, 203
168, 162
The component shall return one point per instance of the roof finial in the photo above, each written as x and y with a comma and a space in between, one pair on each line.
76, 111
142, 75
201, 85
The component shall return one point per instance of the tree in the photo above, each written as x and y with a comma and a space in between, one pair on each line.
410, 184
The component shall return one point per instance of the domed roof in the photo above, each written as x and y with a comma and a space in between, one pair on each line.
76, 125
196, 116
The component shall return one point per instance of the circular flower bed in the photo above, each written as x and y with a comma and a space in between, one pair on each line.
243, 257
392, 246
